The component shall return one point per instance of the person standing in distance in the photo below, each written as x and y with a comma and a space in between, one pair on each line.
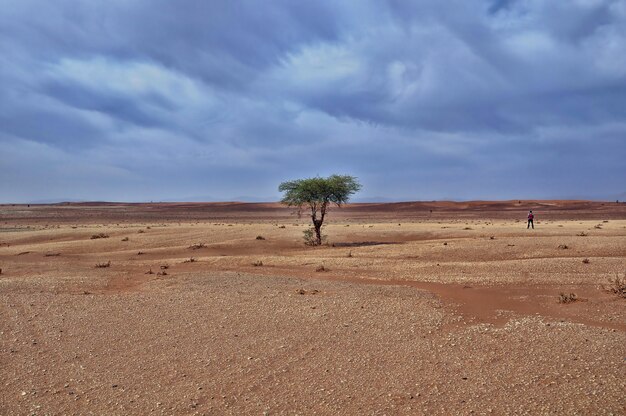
531, 217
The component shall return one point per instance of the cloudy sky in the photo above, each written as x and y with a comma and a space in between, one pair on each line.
135, 100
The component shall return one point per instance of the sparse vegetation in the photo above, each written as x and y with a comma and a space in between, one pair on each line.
150, 271
140, 253
321, 268
582, 234
165, 266
282, 226
103, 265
260, 237
617, 285
52, 254
563, 246
190, 260
586, 260
141, 231
349, 254
567, 298
125, 239
197, 246
257, 263
100, 235
162, 273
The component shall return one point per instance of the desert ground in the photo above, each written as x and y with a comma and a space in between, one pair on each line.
219, 308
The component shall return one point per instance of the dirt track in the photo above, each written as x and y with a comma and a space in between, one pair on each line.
452, 311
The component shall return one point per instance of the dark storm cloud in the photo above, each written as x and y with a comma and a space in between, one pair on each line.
163, 100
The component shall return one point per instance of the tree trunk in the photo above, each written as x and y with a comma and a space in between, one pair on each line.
318, 231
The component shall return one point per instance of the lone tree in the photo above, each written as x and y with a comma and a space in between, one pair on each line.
317, 193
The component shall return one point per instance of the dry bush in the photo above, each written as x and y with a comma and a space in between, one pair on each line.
260, 237
162, 273
282, 226
125, 239
189, 260
140, 253
100, 235
563, 246
617, 285
103, 265
141, 231
321, 269
586, 260
467, 228
599, 226
582, 234
52, 254
567, 298
257, 263
150, 271
349, 254
165, 267
310, 292
197, 246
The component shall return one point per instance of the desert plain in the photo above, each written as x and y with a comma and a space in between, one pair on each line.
219, 308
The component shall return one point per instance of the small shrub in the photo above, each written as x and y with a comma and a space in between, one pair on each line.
103, 265
309, 237
101, 235
197, 246
260, 237
321, 269
52, 254
445, 243
140, 253
141, 231
282, 226
618, 286
150, 271
162, 273
467, 228
165, 267
349, 254
257, 263
189, 260
598, 227
125, 239
492, 238
582, 234
567, 298
563, 246
586, 260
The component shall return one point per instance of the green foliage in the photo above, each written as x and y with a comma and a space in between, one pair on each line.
310, 238
317, 194
335, 189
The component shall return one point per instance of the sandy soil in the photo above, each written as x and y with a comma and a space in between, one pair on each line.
412, 308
